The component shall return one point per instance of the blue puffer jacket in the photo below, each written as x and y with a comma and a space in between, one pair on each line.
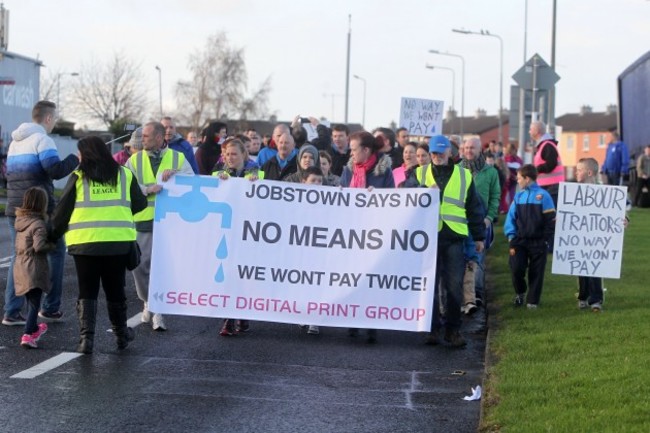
33, 160
180, 145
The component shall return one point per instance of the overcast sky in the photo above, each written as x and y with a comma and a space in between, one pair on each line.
302, 46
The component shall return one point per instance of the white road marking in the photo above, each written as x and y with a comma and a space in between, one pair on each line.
46, 365
62, 358
413, 387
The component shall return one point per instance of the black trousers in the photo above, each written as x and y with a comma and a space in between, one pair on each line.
109, 270
531, 257
590, 289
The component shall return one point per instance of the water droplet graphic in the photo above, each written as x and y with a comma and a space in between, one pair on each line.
219, 277
222, 249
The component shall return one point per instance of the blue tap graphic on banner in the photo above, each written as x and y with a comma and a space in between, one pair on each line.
194, 206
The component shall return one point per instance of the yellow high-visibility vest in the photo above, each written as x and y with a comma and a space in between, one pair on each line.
141, 164
452, 208
260, 174
102, 213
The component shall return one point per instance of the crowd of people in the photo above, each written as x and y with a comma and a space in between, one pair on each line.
106, 211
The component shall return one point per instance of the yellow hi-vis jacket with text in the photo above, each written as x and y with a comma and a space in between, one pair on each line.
452, 208
171, 160
102, 213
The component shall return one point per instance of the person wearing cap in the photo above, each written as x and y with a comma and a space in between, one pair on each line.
135, 142
461, 214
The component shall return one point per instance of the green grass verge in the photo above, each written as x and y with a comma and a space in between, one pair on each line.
560, 369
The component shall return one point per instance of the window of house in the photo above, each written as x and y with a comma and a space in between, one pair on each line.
585, 143
601, 141
570, 142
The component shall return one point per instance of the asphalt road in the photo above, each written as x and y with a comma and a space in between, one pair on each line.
273, 379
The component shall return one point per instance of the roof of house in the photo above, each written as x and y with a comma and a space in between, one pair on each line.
473, 125
588, 122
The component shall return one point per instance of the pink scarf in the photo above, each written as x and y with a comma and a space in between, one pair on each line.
359, 172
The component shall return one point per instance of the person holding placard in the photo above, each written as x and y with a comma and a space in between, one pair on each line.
529, 227
590, 289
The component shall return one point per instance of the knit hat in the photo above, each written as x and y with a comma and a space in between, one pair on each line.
136, 139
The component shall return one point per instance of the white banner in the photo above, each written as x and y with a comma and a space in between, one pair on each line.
589, 230
295, 253
421, 117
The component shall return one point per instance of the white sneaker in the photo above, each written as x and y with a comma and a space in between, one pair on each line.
158, 323
146, 314
313, 330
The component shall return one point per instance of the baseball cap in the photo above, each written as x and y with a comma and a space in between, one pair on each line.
438, 144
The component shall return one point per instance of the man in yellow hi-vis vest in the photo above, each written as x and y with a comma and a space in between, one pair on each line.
155, 160
461, 213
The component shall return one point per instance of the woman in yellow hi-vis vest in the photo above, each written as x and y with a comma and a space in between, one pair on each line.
96, 214
235, 164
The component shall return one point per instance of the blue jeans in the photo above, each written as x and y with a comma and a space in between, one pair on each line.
479, 275
450, 269
56, 260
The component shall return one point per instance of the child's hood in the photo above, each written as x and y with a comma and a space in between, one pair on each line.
24, 220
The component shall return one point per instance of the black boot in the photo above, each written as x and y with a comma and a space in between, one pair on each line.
117, 315
86, 312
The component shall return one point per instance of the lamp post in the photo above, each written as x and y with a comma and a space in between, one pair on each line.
160, 89
453, 82
462, 87
58, 86
363, 118
487, 33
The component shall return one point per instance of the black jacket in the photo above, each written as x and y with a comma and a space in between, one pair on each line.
272, 170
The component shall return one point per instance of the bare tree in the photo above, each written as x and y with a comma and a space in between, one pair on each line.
110, 92
218, 86
48, 86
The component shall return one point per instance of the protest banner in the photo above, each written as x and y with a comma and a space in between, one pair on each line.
421, 117
295, 253
589, 230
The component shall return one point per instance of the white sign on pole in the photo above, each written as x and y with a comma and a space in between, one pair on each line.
421, 117
589, 230
295, 253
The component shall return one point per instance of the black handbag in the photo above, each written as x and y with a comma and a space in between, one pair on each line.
133, 256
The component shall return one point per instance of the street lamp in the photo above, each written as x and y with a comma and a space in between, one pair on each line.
487, 33
453, 82
58, 86
363, 118
160, 89
462, 87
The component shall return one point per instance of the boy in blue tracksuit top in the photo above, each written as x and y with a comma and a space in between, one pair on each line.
529, 226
